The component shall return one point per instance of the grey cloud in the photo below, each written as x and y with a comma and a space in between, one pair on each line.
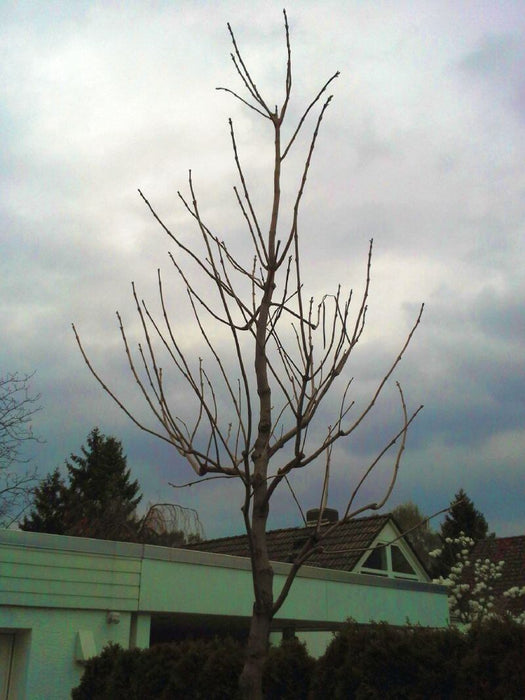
100, 101
498, 61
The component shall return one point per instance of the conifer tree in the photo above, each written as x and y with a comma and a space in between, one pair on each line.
465, 519
99, 501
101, 497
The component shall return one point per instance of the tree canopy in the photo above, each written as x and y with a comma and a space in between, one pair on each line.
462, 519
102, 498
99, 500
49, 506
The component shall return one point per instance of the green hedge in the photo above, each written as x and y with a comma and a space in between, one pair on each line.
201, 669
288, 672
198, 669
379, 661
493, 666
361, 663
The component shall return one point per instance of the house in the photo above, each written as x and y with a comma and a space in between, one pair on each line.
369, 545
62, 599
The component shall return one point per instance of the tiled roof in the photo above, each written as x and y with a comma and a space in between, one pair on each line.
341, 550
511, 550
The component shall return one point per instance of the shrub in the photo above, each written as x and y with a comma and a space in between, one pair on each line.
380, 661
201, 669
288, 671
362, 662
96, 673
494, 664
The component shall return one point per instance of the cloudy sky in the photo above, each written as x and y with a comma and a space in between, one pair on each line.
422, 149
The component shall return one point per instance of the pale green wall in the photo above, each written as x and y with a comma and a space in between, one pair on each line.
219, 584
196, 588
316, 642
51, 635
68, 572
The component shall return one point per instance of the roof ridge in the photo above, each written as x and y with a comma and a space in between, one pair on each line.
500, 539
298, 528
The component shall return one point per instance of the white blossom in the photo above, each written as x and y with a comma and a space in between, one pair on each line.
474, 602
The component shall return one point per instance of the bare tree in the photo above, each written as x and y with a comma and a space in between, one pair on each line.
290, 352
17, 408
171, 525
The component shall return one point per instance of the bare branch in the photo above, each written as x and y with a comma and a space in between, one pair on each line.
306, 112
287, 351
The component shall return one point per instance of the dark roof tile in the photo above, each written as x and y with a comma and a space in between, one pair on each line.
341, 550
511, 550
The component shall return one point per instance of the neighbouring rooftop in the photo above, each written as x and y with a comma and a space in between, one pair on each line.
341, 550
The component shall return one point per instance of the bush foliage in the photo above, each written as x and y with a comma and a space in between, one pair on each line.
362, 662
288, 672
379, 661
382, 661
200, 669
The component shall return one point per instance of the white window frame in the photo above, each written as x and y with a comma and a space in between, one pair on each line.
389, 571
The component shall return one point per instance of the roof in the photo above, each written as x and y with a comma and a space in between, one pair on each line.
511, 550
341, 550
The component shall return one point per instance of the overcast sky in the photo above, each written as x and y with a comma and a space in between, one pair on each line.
423, 149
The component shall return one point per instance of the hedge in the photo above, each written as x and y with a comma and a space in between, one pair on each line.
201, 669
362, 662
416, 663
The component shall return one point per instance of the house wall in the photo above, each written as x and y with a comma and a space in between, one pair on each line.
56, 592
54, 571
47, 646
219, 584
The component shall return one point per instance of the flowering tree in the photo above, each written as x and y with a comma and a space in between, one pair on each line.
471, 585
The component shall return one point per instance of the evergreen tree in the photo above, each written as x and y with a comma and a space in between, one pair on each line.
101, 497
99, 501
462, 518
49, 506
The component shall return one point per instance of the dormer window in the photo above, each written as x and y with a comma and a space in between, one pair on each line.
388, 560
400, 564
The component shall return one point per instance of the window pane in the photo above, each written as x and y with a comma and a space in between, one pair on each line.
400, 563
376, 559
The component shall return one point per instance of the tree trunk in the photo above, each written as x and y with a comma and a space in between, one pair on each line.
250, 682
